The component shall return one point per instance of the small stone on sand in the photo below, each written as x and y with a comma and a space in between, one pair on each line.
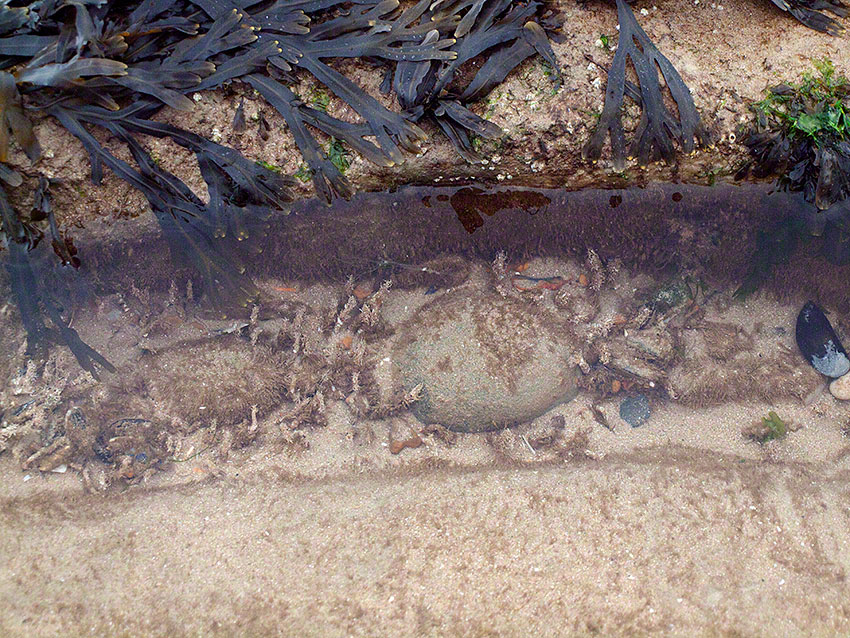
840, 388
635, 410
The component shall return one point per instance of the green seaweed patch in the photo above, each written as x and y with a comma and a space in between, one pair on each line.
320, 100
814, 107
801, 135
770, 428
303, 174
274, 168
338, 155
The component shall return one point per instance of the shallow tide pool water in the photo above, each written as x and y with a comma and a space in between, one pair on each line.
518, 386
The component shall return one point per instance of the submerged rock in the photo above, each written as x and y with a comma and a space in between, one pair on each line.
819, 343
840, 388
485, 362
635, 410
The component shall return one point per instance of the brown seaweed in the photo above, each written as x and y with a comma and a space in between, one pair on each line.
31, 297
154, 55
14, 122
502, 29
801, 135
659, 129
242, 192
810, 13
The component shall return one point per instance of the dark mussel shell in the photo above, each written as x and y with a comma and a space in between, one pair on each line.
819, 343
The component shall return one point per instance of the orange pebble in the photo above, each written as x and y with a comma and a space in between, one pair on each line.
345, 342
522, 267
582, 279
615, 386
361, 292
398, 446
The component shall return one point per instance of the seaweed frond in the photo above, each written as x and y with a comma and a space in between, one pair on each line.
327, 179
114, 66
242, 194
12, 119
659, 129
505, 32
31, 296
770, 428
427, 43
810, 13
158, 52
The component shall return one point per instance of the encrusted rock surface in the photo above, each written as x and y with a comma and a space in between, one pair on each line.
482, 362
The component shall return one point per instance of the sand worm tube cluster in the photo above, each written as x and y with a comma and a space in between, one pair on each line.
480, 310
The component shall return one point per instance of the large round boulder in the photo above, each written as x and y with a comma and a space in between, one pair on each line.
485, 362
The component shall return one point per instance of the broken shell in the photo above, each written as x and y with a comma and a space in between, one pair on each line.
819, 343
840, 388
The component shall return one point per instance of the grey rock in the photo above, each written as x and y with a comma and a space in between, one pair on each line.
635, 410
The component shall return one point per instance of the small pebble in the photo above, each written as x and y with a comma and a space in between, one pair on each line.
397, 446
635, 410
840, 388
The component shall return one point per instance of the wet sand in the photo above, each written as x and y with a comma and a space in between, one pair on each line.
664, 540
680, 527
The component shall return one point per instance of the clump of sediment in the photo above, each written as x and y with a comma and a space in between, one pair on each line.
219, 379
724, 363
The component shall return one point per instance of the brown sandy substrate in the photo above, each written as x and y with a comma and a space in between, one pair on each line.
665, 540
